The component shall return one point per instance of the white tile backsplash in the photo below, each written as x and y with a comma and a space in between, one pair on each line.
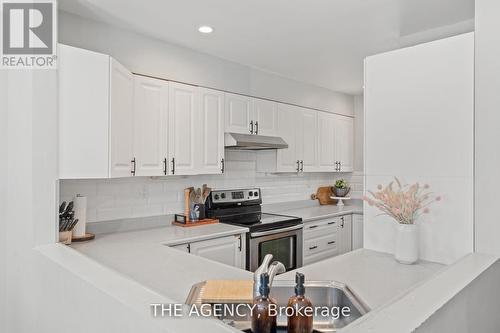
110, 199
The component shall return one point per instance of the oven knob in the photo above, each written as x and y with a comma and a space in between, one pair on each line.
223, 195
250, 194
216, 197
256, 193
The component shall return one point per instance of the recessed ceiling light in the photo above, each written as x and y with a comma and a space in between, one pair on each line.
205, 29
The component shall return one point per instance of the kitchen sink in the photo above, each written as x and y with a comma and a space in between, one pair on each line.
324, 294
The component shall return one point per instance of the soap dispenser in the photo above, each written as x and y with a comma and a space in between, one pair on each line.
262, 320
300, 321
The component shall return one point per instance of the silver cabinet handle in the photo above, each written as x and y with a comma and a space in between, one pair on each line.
340, 166
222, 165
313, 227
333, 222
298, 165
275, 231
165, 166
251, 127
331, 242
173, 165
133, 167
313, 247
342, 221
302, 166
256, 127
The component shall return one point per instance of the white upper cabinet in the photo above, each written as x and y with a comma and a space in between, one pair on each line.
239, 114
265, 117
116, 124
121, 106
287, 160
326, 142
344, 143
150, 126
96, 115
247, 115
183, 117
83, 113
210, 146
307, 139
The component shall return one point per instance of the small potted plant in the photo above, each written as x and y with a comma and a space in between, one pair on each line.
341, 188
405, 204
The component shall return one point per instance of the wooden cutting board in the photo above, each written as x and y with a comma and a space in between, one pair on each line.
227, 291
323, 195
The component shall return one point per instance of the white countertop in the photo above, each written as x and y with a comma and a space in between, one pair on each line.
311, 210
145, 257
140, 261
375, 277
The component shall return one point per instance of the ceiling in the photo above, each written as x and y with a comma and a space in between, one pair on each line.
321, 42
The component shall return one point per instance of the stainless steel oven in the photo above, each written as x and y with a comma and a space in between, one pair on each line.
279, 235
284, 244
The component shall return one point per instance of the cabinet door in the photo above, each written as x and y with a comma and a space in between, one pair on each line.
226, 250
83, 104
150, 126
210, 147
344, 142
326, 142
287, 158
238, 110
182, 120
357, 231
345, 234
265, 117
121, 104
307, 139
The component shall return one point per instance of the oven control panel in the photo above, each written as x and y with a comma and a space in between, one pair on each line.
240, 195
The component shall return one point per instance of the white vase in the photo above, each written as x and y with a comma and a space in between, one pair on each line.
406, 244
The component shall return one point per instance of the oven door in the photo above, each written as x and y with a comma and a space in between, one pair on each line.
284, 244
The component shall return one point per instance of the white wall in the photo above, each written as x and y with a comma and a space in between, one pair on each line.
110, 199
3, 201
359, 129
487, 118
37, 294
150, 56
419, 127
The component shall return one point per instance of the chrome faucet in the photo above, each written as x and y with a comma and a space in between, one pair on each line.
271, 269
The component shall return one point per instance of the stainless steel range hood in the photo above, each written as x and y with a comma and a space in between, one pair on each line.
253, 142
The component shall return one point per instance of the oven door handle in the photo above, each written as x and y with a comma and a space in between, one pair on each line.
275, 231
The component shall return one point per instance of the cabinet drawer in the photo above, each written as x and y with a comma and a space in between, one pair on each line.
321, 225
319, 244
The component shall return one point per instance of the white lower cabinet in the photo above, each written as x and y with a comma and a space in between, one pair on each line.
357, 231
326, 238
227, 250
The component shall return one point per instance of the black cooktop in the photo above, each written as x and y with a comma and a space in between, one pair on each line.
267, 222
242, 207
